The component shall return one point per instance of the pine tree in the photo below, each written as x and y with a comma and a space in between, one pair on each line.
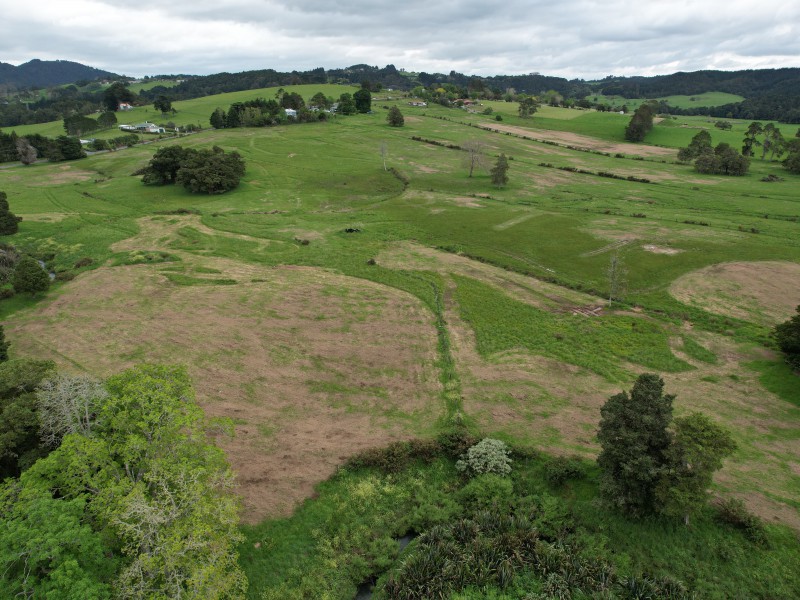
634, 439
395, 117
500, 171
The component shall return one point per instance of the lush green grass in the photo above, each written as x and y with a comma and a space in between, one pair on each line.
696, 101
779, 379
502, 324
333, 543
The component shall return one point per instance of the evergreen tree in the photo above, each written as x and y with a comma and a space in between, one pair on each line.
641, 123
30, 277
634, 439
500, 171
395, 117
217, 119
347, 105
363, 100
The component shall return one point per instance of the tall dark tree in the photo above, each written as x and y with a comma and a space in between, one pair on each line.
116, 94
500, 171
363, 100
164, 166
750, 140
347, 105
217, 119
641, 123
163, 104
107, 119
700, 144
634, 439
65, 148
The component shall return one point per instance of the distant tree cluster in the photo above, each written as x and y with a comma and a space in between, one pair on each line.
204, 171
641, 122
27, 149
720, 160
652, 463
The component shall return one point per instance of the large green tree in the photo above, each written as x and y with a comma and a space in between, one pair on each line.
696, 452
395, 117
641, 122
363, 100
528, 105
164, 166
500, 171
634, 440
211, 171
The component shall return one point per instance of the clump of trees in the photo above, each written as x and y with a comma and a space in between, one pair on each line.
131, 501
199, 170
641, 122
720, 160
652, 463
787, 335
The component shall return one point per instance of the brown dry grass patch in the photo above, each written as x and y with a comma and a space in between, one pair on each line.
762, 292
312, 366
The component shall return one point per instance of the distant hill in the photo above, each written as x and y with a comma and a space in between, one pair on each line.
46, 73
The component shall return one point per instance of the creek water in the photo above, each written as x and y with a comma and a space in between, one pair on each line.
366, 588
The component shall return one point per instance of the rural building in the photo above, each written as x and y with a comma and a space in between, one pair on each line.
147, 127
124, 106
290, 112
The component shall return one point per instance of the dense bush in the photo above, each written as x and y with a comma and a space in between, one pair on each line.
732, 511
560, 469
29, 277
206, 171
487, 456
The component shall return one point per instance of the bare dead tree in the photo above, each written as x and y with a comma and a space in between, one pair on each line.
475, 155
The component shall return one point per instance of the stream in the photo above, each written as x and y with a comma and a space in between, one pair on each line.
366, 588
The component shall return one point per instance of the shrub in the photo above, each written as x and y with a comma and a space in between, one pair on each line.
561, 469
84, 262
487, 456
487, 491
30, 277
732, 511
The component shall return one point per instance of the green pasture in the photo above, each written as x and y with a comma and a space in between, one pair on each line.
151, 83
709, 99
306, 185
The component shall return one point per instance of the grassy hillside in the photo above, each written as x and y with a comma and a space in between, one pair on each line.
695, 101
328, 305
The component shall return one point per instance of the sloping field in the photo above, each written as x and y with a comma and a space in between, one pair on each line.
763, 292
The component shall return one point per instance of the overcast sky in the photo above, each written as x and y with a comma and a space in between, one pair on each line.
568, 38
